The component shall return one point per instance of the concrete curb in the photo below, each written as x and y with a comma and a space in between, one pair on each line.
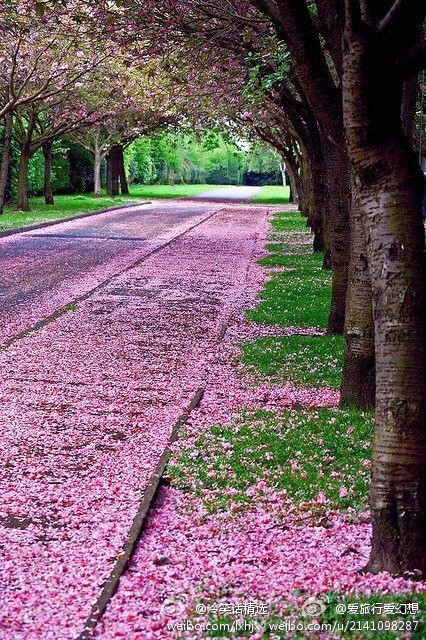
112, 582
42, 225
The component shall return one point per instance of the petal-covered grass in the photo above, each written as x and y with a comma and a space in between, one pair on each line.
304, 453
298, 297
299, 294
314, 361
266, 504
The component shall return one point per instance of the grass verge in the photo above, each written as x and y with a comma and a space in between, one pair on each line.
311, 361
303, 452
297, 296
64, 207
272, 195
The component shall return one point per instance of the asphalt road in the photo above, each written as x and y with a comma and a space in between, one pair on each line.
45, 269
229, 193
88, 402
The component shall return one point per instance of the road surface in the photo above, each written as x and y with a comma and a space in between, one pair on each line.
234, 194
45, 269
88, 401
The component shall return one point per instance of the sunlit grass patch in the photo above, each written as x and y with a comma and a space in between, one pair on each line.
289, 221
272, 195
64, 207
299, 297
313, 361
303, 452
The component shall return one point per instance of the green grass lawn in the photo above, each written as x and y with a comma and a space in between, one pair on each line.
314, 361
64, 207
297, 296
273, 195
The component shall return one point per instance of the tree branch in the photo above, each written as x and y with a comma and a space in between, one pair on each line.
387, 22
413, 60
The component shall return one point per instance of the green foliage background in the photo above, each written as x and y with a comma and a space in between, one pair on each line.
188, 158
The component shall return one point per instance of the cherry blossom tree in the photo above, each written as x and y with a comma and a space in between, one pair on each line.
129, 103
47, 47
37, 126
356, 93
48, 50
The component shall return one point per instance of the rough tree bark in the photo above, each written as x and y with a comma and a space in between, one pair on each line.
358, 380
316, 171
113, 170
5, 160
47, 153
338, 207
123, 178
390, 205
22, 203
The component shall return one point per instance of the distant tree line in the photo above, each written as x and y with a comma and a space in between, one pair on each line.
190, 158
165, 158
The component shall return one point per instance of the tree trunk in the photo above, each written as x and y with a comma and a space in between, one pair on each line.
408, 110
398, 490
317, 176
338, 206
283, 175
47, 152
22, 203
113, 171
123, 179
390, 203
5, 160
97, 172
358, 381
